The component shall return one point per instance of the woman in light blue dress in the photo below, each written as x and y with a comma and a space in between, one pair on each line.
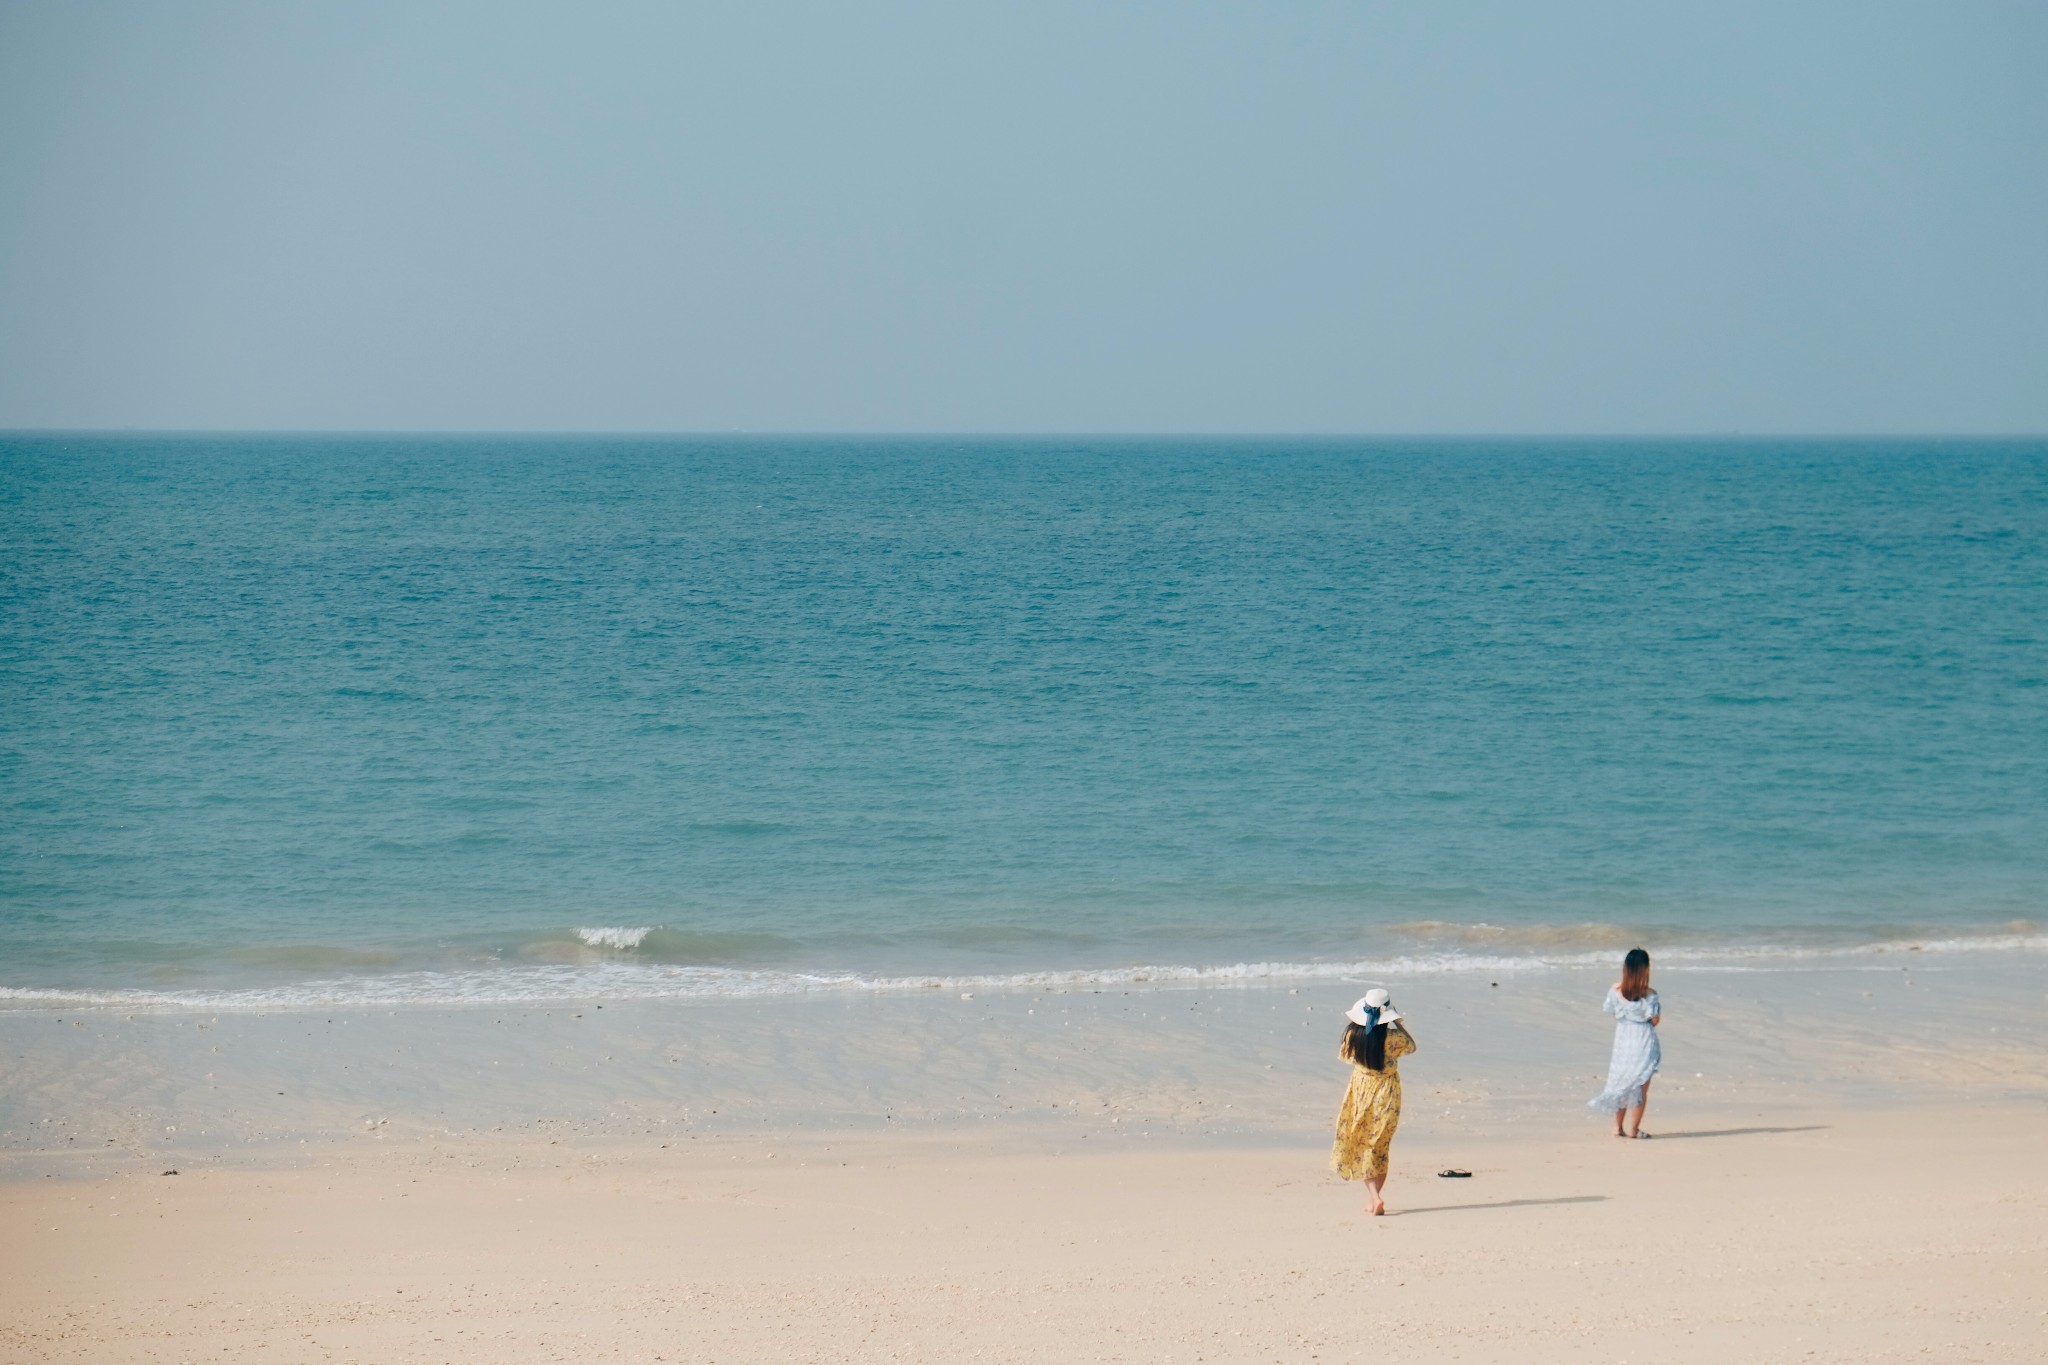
1637, 1054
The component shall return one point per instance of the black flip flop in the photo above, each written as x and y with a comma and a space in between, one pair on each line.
1453, 1173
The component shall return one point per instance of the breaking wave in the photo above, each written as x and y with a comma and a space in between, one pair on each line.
625, 940
629, 981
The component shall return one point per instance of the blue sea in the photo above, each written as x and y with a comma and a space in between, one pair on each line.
292, 719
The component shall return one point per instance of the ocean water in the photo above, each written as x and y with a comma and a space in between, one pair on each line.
375, 719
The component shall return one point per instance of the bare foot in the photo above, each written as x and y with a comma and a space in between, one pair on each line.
1378, 1207
1619, 1133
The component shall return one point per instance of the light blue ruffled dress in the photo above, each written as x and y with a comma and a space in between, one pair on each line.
1637, 1053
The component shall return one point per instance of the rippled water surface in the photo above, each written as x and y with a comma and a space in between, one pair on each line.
456, 712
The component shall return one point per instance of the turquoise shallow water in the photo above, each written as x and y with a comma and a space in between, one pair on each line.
422, 716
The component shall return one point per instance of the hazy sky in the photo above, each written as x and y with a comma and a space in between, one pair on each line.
1414, 217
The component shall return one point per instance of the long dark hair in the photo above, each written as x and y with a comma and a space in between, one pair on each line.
1365, 1046
1635, 975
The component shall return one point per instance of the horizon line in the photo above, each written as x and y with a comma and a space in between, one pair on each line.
548, 433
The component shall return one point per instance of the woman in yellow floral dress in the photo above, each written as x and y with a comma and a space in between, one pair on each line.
1373, 1041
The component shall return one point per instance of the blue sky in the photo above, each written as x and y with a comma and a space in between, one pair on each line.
1048, 217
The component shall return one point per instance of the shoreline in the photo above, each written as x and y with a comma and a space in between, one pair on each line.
610, 965
1254, 1061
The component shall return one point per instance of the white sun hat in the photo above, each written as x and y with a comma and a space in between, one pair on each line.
1374, 1007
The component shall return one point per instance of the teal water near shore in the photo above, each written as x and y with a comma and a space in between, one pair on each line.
459, 718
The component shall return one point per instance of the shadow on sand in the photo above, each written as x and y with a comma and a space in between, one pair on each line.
1503, 1204
1741, 1132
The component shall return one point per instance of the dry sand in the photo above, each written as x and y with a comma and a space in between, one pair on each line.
1862, 1234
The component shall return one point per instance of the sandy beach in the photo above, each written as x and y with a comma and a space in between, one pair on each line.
1875, 1235
1038, 1176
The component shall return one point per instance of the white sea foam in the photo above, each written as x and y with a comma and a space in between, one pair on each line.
630, 981
622, 939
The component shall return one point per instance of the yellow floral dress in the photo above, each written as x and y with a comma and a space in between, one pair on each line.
1371, 1112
